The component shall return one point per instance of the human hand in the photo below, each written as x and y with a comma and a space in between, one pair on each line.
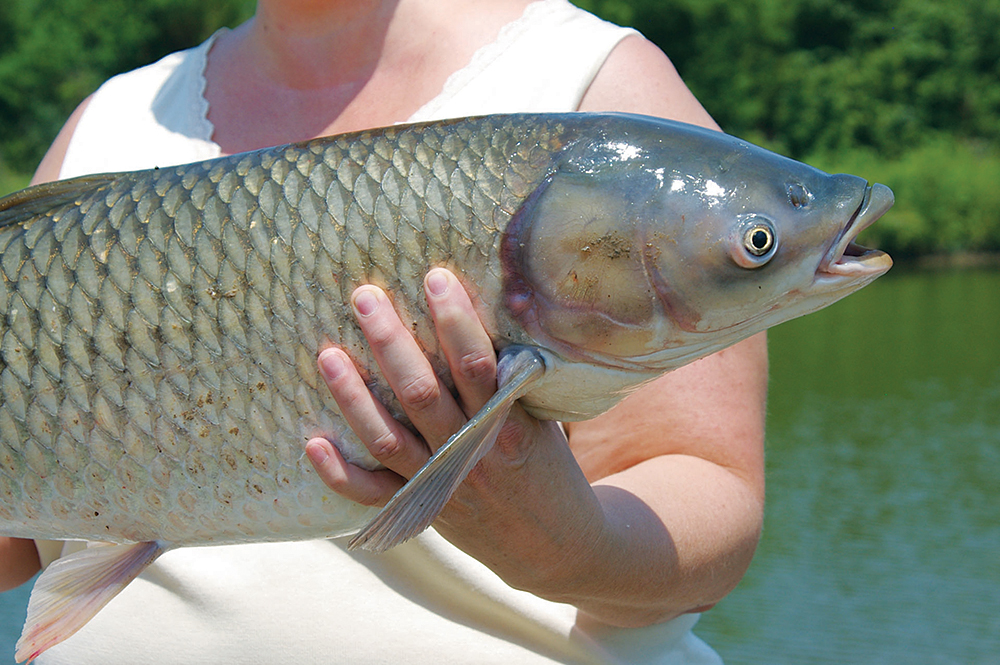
522, 504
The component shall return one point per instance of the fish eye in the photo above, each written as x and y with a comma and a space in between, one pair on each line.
758, 239
798, 195
753, 243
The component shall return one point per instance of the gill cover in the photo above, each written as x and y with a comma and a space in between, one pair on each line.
575, 255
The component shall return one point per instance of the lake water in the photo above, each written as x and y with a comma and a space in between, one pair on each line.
882, 534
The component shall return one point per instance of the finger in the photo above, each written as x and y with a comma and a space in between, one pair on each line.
464, 342
423, 396
394, 446
369, 488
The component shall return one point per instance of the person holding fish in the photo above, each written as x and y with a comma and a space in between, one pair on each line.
599, 541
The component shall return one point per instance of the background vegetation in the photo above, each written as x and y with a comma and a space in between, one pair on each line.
905, 92
55, 53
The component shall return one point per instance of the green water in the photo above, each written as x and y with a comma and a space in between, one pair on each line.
882, 535
882, 532
12, 606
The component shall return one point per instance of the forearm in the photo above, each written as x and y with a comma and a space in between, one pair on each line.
18, 562
677, 470
664, 553
667, 536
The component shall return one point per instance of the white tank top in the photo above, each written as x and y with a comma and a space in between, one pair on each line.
424, 601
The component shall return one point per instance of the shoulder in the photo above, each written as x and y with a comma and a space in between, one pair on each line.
153, 115
637, 77
108, 106
51, 164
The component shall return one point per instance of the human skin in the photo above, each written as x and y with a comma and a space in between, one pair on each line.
646, 512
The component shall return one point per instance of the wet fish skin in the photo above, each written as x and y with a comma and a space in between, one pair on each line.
159, 347
160, 328
157, 354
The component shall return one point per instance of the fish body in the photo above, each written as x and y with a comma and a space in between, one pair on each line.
160, 328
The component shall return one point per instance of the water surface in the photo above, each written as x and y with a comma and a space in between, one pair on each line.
882, 531
12, 607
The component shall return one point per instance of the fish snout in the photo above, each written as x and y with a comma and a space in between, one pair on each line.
846, 257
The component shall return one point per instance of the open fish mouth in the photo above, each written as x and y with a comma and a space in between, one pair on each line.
846, 258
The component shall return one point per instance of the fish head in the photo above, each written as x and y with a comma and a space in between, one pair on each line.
657, 243
760, 239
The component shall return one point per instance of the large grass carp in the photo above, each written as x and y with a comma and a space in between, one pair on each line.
160, 328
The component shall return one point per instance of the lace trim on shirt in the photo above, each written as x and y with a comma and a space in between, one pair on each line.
206, 129
488, 53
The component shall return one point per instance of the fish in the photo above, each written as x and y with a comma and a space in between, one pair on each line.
160, 328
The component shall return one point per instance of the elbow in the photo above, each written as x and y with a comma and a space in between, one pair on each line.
733, 561
713, 573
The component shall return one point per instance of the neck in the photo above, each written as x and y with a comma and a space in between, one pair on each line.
294, 42
306, 68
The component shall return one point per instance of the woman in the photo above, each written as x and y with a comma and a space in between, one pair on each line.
612, 539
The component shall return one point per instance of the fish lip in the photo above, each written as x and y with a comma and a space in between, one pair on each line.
848, 259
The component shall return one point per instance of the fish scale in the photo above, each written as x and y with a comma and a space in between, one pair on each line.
186, 308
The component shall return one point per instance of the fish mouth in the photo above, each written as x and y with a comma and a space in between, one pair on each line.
846, 258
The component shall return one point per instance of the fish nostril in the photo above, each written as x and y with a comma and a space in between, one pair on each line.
798, 195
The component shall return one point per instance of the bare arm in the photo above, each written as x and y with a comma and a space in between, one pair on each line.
674, 513
690, 445
18, 562
52, 162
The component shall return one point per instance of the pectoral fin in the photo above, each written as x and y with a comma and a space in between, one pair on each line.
418, 503
73, 589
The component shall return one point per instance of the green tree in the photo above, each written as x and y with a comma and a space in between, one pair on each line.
821, 75
52, 55
908, 90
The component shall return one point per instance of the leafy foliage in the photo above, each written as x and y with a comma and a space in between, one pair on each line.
821, 75
902, 91
53, 54
947, 198
905, 92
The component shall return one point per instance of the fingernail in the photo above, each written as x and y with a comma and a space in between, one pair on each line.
331, 364
316, 452
437, 282
365, 302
